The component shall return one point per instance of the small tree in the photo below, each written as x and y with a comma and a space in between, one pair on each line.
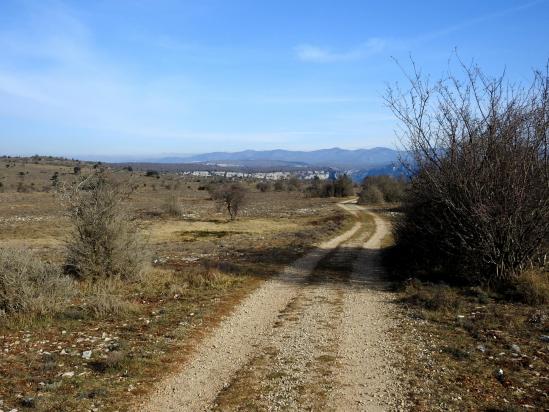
104, 241
231, 196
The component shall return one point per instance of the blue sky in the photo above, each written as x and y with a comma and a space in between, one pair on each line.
147, 77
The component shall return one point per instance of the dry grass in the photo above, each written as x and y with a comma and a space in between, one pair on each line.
462, 337
103, 298
532, 287
458, 338
29, 286
172, 206
140, 330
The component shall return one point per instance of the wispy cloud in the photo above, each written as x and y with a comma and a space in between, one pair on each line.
317, 54
374, 45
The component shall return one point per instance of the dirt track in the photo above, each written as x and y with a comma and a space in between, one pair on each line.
313, 338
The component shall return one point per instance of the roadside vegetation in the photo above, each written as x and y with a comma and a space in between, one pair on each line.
376, 190
471, 240
108, 276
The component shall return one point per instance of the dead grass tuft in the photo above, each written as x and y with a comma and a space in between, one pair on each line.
102, 299
207, 278
28, 285
532, 288
172, 206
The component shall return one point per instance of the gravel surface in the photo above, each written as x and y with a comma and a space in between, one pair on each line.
300, 342
370, 378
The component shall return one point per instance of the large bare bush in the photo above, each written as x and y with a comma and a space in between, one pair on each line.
27, 285
104, 241
478, 204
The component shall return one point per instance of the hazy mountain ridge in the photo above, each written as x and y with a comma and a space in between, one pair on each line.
334, 157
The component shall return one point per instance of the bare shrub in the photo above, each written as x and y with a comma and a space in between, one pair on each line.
371, 195
392, 188
28, 285
231, 196
172, 207
263, 186
279, 186
314, 189
104, 241
294, 184
478, 204
341, 187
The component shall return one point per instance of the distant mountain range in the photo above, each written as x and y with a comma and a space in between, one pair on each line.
333, 158
356, 163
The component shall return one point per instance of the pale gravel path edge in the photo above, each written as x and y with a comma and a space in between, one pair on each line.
227, 348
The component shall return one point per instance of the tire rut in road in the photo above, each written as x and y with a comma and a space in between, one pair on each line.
223, 352
296, 370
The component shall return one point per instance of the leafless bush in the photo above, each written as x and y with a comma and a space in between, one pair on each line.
341, 187
172, 207
479, 197
370, 195
279, 186
231, 196
263, 186
392, 189
294, 184
28, 285
104, 241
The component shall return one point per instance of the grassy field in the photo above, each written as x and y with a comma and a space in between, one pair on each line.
113, 339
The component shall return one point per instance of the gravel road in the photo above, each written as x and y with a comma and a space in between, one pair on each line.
313, 338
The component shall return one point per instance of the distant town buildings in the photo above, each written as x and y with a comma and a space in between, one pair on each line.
302, 174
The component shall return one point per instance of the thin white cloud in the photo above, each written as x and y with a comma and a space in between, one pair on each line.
317, 54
